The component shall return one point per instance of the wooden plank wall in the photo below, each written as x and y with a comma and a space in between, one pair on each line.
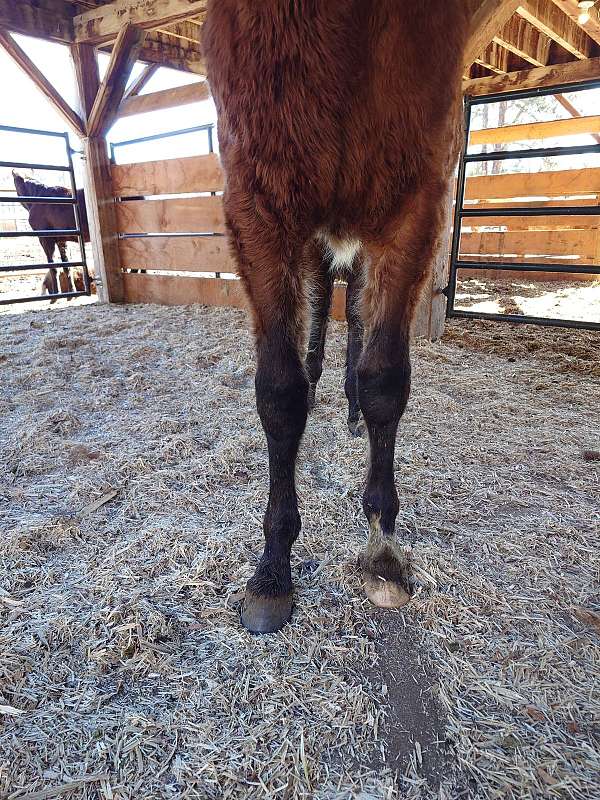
181, 234
178, 231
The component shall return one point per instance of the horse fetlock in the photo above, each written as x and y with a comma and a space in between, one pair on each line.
385, 567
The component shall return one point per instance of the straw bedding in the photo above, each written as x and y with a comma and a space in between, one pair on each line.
133, 479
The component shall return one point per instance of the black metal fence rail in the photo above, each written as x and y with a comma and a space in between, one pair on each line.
208, 127
55, 233
461, 212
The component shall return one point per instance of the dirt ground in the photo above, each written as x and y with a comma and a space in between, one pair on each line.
133, 481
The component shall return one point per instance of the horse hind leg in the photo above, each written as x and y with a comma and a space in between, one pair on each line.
355, 283
397, 271
320, 277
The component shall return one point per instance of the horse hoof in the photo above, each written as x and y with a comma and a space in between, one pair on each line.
384, 593
266, 614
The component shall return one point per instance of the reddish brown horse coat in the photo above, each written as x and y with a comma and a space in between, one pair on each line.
339, 123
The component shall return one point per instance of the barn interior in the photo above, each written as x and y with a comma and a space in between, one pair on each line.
133, 474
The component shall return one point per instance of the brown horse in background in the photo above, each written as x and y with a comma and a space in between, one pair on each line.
49, 216
339, 130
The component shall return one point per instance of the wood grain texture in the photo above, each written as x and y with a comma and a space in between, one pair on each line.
170, 176
489, 18
170, 290
167, 98
46, 19
571, 9
175, 215
533, 184
570, 72
554, 23
536, 130
98, 183
187, 253
123, 57
580, 244
101, 24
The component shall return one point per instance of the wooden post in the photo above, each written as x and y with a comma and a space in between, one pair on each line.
431, 313
98, 184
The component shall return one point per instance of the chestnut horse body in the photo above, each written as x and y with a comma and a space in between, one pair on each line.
339, 127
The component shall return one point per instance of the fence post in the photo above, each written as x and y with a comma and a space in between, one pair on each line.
98, 183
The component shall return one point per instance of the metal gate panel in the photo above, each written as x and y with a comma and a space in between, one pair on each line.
56, 233
461, 212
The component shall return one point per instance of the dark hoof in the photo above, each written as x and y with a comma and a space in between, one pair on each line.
356, 427
311, 400
266, 614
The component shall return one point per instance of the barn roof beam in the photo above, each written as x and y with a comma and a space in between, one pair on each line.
21, 58
571, 9
108, 99
487, 21
165, 50
101, 24
554, 75
555, 24
494, 58
139, 83
524, 40
47, 19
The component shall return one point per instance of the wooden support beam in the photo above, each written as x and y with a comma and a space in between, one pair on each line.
571, 9
430, 316
85, 66
168, 51
575, 113
101, 24
98, 184
167, 98
530, 131
555, 24
143, 78
555, 75
110, 94
22, 60
487, 21
47, 19
524, 40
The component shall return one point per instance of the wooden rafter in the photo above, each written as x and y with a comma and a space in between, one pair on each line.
48, 19
101, 24
487, 21
163, 49
21, 58
570, 8
554, 75
112, 89
168, 98
555, 24
524, 40
494, 58
139, 83
574, 112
